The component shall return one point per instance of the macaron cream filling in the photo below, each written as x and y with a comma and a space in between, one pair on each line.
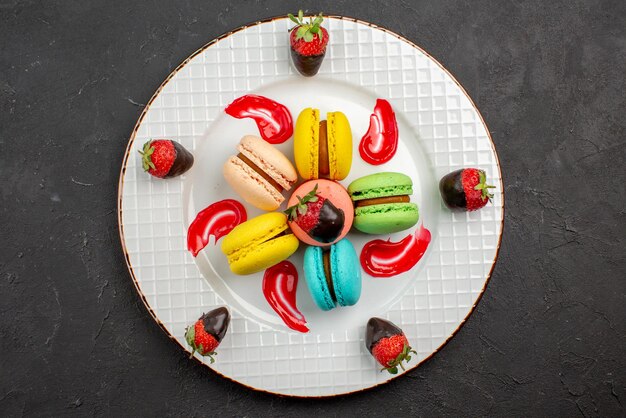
382, 203
272, 234
328, 274
259, 171
322, 148
382, 195
383, 200
384, 191
324, 163
268, 162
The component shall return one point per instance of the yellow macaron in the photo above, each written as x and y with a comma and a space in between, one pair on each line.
259, 243
322, 149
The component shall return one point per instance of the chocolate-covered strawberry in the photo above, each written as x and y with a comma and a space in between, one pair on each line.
317, 216
165, 158
308, 44
465, 189
207, 332
388, 344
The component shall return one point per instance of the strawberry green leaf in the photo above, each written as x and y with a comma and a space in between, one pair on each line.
146, 160
302, 30
291, 213
307, 31
301, 207
483, 186
392, 366
312, 194
190, 335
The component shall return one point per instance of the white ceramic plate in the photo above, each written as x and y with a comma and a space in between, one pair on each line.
440, 131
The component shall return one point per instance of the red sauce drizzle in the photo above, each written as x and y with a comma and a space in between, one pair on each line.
380, 142
272, 118
218, 220
381, 258
279, 287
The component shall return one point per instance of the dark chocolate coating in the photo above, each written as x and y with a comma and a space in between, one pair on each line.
329, 224
182, 162
216, 322
307, 65
378, 328
451, 188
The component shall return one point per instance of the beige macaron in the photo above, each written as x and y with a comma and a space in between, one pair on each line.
259, 173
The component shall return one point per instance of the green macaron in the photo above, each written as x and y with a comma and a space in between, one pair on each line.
382, 203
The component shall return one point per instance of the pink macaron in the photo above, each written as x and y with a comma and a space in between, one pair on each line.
260, 173
320, 212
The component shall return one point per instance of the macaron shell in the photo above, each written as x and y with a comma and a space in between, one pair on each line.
331, 190
339, 145
346, 272
269, 159
255, 230
250, 185
306, 143
380, 185
386, 218
316, 278
259, 257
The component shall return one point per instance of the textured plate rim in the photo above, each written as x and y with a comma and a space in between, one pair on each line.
158, 91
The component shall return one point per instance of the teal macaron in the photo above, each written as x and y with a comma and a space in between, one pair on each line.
343, 287
382, 203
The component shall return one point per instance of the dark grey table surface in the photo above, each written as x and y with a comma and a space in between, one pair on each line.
547, 339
